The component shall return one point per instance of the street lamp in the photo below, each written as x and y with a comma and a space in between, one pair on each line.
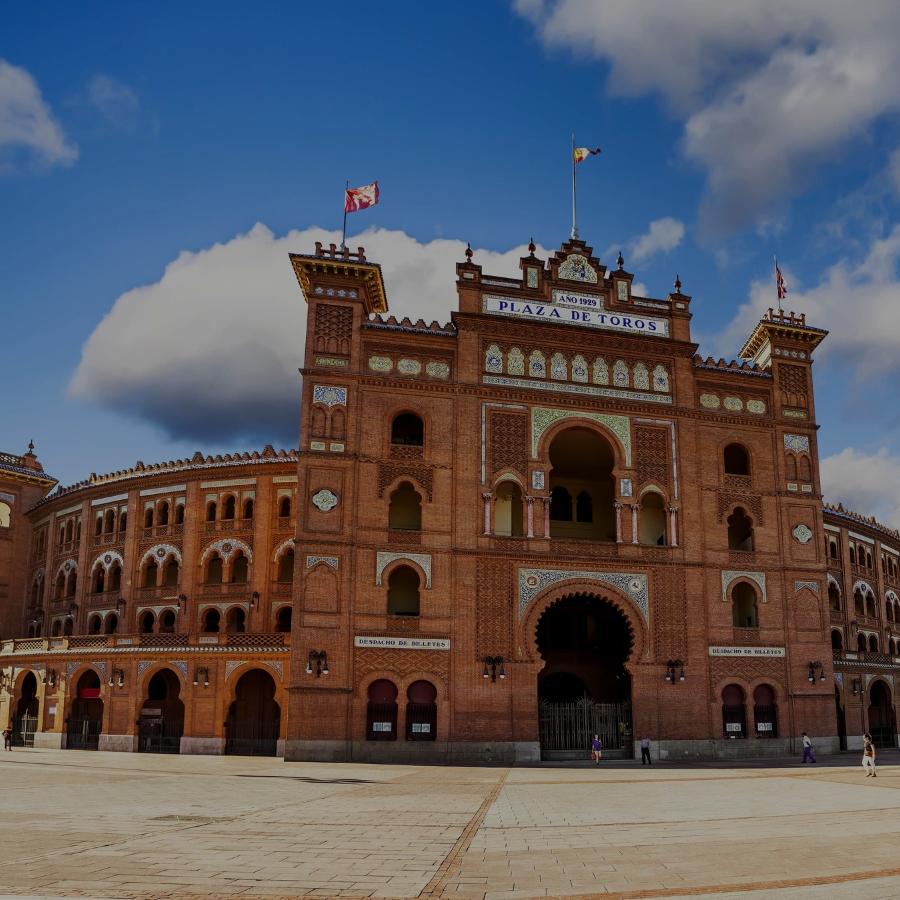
674, 667
493, 668
317, 661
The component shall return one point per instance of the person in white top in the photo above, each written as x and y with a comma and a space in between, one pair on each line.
807, 748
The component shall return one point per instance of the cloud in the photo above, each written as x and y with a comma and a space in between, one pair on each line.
867, 483
767, 91
859, 304
27, 124
211, 351
894, 170
116, 103
663, 235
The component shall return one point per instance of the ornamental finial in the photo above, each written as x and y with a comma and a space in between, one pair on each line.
469, 253
620, 262
531, 246
677, 285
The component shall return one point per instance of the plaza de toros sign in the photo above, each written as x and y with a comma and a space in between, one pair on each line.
575, 309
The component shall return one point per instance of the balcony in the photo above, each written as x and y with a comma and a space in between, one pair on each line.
236, 591
161, 531
283, 523
228, 525
148, 594
836, 616
107, 540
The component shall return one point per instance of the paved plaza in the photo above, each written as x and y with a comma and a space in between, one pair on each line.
105, 825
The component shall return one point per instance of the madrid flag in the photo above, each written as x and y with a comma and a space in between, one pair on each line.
359, 198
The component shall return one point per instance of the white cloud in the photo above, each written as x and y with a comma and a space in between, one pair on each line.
27, 123
211, 350
859, 304
767, 90
116, 103
894, 170
867, 483
663, 235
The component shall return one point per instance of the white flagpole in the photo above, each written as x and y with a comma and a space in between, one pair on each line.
344, 230
574, 223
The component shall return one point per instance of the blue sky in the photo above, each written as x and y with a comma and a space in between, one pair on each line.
132, 142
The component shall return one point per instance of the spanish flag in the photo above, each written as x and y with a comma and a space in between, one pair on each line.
580, 154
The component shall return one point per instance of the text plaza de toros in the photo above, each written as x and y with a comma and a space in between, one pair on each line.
545, 519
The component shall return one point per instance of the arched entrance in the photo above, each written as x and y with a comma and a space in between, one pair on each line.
584, 687
882, 724
254, 717
161, 722
25, 719
86, 715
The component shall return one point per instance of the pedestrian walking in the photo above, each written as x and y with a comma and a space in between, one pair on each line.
808, 755
7, 738
645, 752
596, 748
868, 760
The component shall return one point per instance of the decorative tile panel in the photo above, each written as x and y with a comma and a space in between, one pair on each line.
579, 369
812, 585
709, 401
324, 500
161, 551
537, 481
384, 558
437, 370
331, 561
543, 417
537, 367
625, 487
531, 276
225, 548
601, 371
559, 367
181, 665
232, 665
758, 578
620, 374
660, 379
515, 362
108, 558
757, 407
275, 666
409, 367
733, 404
572, 388
577, 268
802, 533
640, 377
381, 363
329, 395
533, 582
799, 443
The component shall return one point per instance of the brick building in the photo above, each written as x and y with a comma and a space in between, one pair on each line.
545, 519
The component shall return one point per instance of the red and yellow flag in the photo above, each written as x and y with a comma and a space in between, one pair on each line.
580, 154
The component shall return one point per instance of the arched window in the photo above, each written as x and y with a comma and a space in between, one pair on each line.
211, 620
94, 625
123, 521
236, 620
407, 428
71, 583
115, 576
834, 597
62, 534
733, 713
871, 606
743, 606
837, 640
584, 507
148, 517
337, 425
765, 712
99, 578
151, 573
98, 525
405, 508
60, 587
179, 514
68, 626
111, 624
508, 510
171, 572
859, 603
873, 643
805, 469
832, 549
852, 555
740, 530
147, 622
381, 711
164, 512
652, 520
560, 505
214, 569
317, 425
5, 515
229, 507
56, 630
240, 567
421, 712
248, 508
283, 620
284, 507
791, 467
286, 566
167, 622
109, 521
403, 592
868, 560
69, 531
736, 459
861, 642
211, 511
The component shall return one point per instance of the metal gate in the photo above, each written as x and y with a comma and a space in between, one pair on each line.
24, 728
157, 735
83, 733
251, 738
567, 728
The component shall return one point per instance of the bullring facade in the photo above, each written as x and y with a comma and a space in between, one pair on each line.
546, 518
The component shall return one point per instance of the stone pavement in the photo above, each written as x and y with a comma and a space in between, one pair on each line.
106, 825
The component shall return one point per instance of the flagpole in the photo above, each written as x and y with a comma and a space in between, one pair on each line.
777, 289
574, 225
344, 229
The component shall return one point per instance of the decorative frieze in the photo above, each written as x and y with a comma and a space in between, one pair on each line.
533, 582
543, 417
329, 395
384, 558
758, 578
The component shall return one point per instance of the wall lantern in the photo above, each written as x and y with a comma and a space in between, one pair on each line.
674, 670
493, 668
811, 674
317, 662
201, 673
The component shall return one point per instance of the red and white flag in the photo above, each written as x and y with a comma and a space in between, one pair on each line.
779, 282
359, 198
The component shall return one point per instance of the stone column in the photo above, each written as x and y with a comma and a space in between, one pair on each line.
634, 523
618, 522
530, 515
487, 513
673, 527
547, 516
